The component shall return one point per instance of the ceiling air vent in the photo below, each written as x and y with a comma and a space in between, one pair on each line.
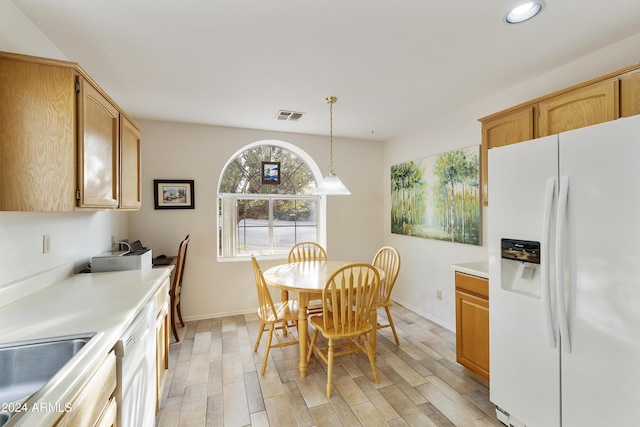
289, 115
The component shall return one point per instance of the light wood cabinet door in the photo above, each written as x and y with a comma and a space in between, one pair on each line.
590, 105
89, 405
162, 353
472, 324
630, 94
98, 148
162, 340
109, 417
130, 178
509, 128
37, 140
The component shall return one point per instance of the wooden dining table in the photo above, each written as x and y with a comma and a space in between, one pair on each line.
306, 278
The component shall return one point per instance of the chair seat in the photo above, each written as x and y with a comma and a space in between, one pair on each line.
287, 310
332, 333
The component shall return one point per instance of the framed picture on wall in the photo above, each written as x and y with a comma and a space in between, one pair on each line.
173, 194
270, 173
438, 197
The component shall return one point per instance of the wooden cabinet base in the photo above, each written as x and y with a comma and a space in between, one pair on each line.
472, 324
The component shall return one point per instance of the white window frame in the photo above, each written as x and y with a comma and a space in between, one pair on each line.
226, 240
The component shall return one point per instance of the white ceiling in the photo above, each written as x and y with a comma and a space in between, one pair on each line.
392, 64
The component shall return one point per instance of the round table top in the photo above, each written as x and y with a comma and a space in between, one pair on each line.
304, 276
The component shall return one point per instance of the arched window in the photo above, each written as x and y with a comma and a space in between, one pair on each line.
265, 201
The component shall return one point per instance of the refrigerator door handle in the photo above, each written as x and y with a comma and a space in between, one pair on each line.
560, 266
547, 290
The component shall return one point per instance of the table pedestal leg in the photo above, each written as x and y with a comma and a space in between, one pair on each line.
303, 334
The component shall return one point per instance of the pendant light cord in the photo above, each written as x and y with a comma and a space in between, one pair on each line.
331, 100
331, 184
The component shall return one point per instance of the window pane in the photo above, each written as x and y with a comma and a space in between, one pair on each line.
283, 239
253, 227
287, 212
294, 222
306, 234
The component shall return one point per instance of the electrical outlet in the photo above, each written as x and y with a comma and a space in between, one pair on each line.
46, 243
439, 295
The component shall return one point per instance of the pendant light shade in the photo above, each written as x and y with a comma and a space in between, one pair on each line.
331, 185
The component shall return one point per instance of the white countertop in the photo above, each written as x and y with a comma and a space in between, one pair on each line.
476, 268
105, 303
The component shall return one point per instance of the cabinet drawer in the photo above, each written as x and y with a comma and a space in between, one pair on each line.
472, 284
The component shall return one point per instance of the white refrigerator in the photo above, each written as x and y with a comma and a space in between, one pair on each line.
564, 278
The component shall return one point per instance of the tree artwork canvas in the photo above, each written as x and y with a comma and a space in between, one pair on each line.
438, 197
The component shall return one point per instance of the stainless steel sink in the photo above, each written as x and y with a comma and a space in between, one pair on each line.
26, 366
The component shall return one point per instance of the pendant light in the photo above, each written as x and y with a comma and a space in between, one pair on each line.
331, 185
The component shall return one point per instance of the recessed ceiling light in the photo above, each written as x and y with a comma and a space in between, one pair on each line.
524, 12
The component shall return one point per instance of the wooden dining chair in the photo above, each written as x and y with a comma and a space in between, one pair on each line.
307, 251
176, 286
273, 316
348, 299
387, 259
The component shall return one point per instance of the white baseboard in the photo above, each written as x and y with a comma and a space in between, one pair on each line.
427, 316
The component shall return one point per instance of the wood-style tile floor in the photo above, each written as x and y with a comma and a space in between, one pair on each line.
214, 380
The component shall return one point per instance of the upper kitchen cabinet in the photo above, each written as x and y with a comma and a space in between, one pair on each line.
630, 94
62, 144
37, 136
130, 178
599, 100
590, 105
98, 148
503, 129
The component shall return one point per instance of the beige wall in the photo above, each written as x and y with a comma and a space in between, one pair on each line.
425, 263
199, 152
18, 34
